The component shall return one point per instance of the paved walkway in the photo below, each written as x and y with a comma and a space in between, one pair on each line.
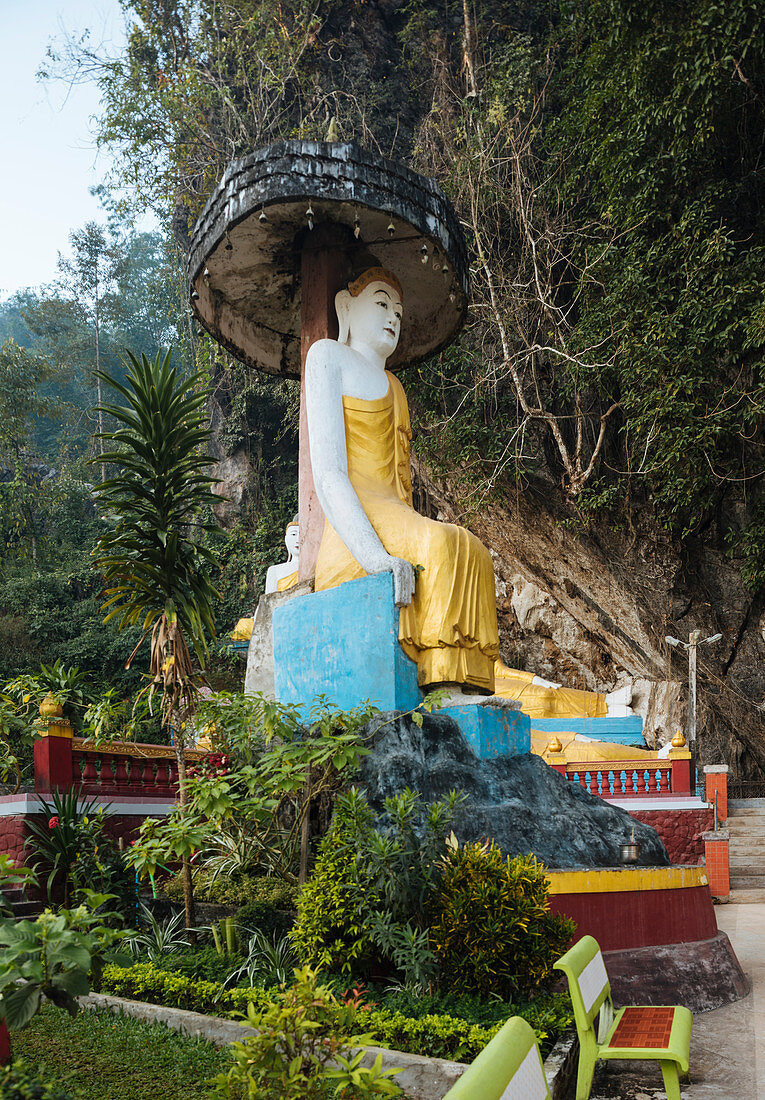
728, 1045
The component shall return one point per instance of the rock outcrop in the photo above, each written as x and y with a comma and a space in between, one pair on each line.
522, 803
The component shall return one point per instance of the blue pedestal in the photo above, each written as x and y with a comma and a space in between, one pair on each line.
343, 643
622, 731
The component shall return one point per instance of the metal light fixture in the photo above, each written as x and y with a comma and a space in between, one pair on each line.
694, 641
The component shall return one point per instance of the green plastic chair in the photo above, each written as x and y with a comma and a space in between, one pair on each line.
508, 1068
641, 1032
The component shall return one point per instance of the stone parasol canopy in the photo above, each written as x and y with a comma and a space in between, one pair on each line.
275, 243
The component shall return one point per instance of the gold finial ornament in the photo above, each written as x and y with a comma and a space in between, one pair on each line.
50, 708
555, 745
678, 741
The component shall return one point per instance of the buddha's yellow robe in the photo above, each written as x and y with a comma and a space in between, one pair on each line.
450, 628
287, 582
543, 702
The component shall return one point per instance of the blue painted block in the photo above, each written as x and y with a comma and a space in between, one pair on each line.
492, 731
343, 643
622, 731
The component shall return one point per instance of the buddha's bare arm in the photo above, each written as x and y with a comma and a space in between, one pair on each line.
329, 462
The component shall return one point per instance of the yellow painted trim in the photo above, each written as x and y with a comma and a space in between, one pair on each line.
616, 880
57, 729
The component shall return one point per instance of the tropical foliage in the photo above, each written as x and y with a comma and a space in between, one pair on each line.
54, 958
304, 1041
153, 565
492, 931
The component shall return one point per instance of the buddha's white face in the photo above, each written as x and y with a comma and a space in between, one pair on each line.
292, 540
374, 318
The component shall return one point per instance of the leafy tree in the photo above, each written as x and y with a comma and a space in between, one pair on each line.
154, 566
89, 277
661, 122
23, 489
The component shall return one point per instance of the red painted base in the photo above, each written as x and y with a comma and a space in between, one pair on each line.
640, 918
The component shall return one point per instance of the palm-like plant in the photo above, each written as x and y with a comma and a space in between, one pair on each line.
152, 560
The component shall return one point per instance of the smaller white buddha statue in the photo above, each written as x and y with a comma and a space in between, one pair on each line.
285, 575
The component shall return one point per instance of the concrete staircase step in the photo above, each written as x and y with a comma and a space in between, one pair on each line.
747, 895
738, 881
21, 906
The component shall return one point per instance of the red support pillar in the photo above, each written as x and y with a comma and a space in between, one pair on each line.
717, 859
5, 1044
681, 773
53, 759
717, 787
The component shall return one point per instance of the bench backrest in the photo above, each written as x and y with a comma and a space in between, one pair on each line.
508, 1068
588, 981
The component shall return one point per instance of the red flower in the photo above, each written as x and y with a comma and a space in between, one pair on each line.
53, 823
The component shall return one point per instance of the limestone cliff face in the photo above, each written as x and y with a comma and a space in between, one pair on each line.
592, 608
589, 607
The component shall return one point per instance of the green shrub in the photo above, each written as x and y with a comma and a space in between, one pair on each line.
332, 930
261, 916
203, 963
146, 982
239, 889
303, 1046
434, 1034
492, 931
415, 1003
373, 885
19, 1082
437, 1035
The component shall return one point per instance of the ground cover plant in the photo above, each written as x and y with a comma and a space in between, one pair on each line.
19, 1081
100, 1055
440, 1027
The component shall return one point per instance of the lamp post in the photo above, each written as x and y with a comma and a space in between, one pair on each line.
694, 641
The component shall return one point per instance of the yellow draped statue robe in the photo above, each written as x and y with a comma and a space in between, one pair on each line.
543, 702
450, 628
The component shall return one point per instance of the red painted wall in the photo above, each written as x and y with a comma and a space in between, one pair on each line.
680, 830
13, 832
640, 918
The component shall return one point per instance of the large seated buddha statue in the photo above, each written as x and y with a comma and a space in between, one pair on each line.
358, 423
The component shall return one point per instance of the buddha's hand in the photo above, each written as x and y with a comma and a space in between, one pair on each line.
403, 580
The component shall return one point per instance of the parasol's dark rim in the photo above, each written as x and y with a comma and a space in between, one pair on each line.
345, 173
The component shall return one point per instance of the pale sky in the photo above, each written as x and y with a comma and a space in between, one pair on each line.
48, 158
